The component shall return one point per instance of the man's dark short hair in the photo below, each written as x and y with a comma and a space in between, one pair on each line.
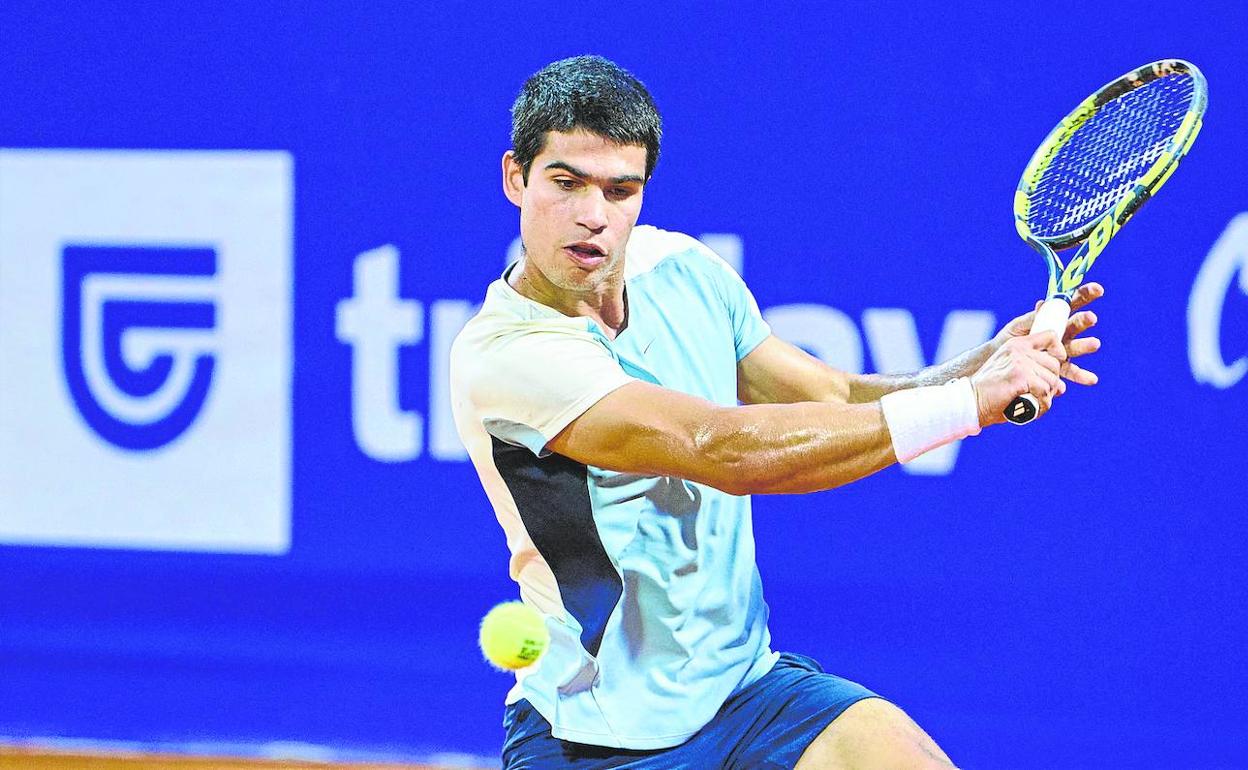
589, 93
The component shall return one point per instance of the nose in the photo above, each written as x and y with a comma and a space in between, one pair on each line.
592, 212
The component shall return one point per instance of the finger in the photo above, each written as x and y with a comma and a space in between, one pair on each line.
1050, 371
1039, 387
1079, 323
1038, 366
1057, 386
1082, 346
1048, 342
1085, 294
1021, 326
1041, 340
1042, 359
1079, 375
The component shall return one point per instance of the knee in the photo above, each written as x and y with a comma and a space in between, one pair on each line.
874, 733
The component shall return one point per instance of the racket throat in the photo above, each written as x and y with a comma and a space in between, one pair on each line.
1052, 316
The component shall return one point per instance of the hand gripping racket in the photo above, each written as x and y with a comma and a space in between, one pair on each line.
1109, 155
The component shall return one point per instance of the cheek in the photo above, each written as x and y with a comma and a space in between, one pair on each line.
531, 221
542, 227
542, 212
625, 217
631, 210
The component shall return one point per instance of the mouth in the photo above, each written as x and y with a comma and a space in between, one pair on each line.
586, 254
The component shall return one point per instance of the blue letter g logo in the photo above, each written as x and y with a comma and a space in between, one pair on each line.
137, 338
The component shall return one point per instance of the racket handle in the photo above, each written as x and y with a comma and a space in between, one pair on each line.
1052, 317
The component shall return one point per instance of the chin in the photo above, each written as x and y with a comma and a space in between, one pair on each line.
580, 283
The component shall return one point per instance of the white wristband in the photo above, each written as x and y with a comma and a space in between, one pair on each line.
921, 419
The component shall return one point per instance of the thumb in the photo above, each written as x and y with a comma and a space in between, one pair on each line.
1048, 342
1042, 340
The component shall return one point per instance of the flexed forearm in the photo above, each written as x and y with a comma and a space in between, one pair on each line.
864, 388
800, 447
791, 448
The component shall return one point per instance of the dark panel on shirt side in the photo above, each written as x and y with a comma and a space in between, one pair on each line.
552, 497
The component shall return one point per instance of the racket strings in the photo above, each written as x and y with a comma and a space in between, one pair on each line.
1107, 155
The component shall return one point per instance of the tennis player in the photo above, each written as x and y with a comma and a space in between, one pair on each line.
597, 392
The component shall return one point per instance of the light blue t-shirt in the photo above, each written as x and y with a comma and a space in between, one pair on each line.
648, 583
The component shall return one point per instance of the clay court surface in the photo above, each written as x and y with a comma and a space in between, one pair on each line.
35, 759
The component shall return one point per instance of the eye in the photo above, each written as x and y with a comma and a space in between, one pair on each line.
620, 193
566, 184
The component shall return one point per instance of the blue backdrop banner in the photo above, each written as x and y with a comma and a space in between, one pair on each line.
235, 246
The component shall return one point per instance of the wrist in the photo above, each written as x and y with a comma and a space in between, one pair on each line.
981, 404
921, 419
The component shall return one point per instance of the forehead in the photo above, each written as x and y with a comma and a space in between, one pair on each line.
592, 153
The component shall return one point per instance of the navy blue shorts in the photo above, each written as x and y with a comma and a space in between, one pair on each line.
764, 727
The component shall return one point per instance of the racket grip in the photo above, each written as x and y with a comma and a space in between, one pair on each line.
1051, 317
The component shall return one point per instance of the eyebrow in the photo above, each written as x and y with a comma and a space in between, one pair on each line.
558, 164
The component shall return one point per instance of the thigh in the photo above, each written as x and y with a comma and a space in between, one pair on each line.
873, 734
768, 725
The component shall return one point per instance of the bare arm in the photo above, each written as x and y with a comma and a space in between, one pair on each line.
763, 449
869, 387
779, 373
873, 387
771, 448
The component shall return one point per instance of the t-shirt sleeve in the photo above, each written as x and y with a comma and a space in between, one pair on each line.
749, 329
528, 386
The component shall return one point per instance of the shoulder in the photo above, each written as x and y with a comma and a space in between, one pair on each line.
510, 334
495, 334
650, 248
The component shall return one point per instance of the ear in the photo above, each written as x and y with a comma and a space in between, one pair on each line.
513, 178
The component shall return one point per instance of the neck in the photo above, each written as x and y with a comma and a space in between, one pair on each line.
604, 303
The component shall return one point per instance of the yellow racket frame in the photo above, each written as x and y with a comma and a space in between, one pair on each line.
1092, 237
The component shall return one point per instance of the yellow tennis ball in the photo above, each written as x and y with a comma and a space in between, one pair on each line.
513, 635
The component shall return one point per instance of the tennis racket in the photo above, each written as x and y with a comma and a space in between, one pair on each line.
1094, 171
